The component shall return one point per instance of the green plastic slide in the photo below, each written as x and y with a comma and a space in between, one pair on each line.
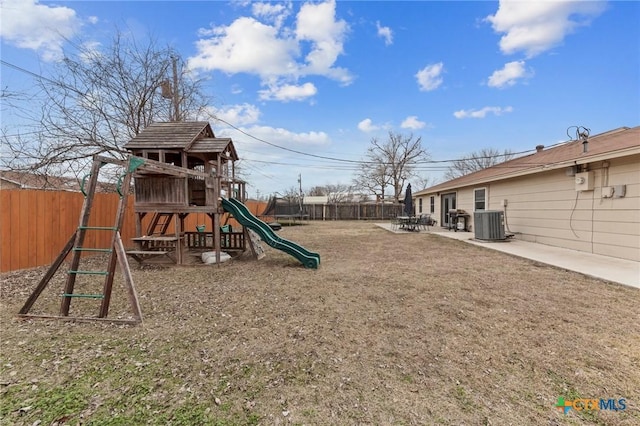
244, 216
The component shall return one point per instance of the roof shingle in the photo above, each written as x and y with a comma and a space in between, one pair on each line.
180, 135
612, 144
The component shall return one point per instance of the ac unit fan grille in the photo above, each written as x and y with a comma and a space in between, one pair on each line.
489, 225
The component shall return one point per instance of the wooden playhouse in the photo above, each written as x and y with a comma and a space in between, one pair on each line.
200, 169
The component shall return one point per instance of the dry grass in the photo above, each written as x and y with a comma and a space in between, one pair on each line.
392, 329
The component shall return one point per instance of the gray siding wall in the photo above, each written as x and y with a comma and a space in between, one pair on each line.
546, 208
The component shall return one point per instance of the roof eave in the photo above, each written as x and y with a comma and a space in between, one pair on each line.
634, 150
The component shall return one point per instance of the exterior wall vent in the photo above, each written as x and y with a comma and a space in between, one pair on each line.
489, 225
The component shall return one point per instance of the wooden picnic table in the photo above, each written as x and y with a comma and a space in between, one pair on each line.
157, 245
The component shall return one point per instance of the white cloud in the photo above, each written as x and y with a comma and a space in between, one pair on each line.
232, 50
29, 25
536, 26
367, 125
413, 123
90, 50
429, 78
482, 113
385, 33
288, 92
286, 54
508, 75
282, 137
238, 115
275, 13
317, 24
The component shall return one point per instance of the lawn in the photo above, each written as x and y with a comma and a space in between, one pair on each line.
391, 329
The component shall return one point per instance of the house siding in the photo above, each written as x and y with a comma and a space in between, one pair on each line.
545, 208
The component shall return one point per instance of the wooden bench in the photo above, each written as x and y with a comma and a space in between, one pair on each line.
141, 255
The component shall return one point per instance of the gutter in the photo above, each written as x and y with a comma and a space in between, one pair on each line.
635, 150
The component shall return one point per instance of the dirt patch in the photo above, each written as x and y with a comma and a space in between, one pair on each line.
391, 329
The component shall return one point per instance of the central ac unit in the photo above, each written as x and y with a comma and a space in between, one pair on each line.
489, 225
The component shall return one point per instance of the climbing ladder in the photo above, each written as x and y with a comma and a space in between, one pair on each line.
159, 223
77, 247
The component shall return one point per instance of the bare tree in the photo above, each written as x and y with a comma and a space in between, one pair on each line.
291, 195
373, 178
97, 100
477, 160
335, 193
390, 163
421, 182
317, 190
339, 192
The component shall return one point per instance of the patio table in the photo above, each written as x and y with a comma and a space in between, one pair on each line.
409, 223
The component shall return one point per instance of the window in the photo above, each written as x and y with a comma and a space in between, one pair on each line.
479, 197
419, 205
432, 204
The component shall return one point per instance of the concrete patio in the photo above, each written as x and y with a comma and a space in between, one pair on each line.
626, 272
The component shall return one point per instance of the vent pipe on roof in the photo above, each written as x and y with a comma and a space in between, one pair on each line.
539, 148
582, 134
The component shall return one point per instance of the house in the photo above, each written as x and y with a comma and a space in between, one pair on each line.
582, 195
10, 179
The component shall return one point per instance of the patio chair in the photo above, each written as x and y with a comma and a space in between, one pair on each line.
425, 221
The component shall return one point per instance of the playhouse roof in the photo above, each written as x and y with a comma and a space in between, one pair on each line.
217, 145
188, 136
179, 134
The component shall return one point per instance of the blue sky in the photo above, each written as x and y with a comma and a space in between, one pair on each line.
324, 78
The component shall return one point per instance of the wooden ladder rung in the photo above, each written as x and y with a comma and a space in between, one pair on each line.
147, 252
98, 228
89, 272
86, 296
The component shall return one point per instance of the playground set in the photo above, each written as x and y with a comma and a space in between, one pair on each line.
178, 168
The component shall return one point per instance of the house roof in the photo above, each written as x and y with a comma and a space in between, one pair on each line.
29, 180
613, 144
178, 134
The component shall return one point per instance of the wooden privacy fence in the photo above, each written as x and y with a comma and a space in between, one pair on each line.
35, 225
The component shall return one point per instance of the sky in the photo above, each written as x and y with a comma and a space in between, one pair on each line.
325, 78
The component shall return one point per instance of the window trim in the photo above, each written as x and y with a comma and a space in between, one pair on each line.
484, 201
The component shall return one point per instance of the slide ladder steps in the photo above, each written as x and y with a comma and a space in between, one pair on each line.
159, 223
